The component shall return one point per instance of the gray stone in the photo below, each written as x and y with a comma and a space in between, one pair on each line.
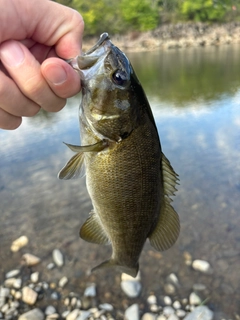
35, 314
167, 311
83, 315
106, 306
62, 282
200, 313
194, 299
35, 277
90, 291
29, 296
202, 266
50, 310
131, 288
30, 259
58, 257
12, 273
152, 299
148, 316
132, 312
73, 315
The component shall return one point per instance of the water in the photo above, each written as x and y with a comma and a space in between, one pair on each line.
195, 96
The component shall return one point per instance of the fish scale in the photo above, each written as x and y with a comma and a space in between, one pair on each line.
129, 180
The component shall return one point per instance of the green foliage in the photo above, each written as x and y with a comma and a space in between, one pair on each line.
99, 15
140, 15
205, 10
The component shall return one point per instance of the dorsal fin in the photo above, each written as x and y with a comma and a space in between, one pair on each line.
167, 229
170, 178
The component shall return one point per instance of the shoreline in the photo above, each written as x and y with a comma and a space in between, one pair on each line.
175, 36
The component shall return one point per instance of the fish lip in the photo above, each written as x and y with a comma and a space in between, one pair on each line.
103, 37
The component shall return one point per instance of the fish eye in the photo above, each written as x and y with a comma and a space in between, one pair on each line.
120, 78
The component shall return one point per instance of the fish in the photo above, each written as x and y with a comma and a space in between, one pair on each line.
128, 178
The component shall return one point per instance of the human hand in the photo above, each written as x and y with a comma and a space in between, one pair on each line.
34, 36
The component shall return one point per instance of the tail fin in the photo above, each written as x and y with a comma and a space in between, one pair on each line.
132, 271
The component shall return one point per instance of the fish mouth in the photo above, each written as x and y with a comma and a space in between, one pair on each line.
90, 58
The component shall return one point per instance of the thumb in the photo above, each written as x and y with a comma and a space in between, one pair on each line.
61, 77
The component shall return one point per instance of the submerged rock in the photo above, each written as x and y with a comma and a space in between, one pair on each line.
35, 314
200, 313
58, 257
202, 265
132, 312
19, 243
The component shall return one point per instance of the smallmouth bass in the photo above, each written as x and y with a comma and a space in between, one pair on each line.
129, 180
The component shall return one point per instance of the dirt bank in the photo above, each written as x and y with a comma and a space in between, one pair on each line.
172, 36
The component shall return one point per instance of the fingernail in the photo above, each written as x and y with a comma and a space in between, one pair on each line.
56, 74
11, 53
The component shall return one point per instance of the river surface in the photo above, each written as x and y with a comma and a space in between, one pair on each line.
195, 97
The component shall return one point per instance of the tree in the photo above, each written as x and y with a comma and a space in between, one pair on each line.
205, 10
140, 14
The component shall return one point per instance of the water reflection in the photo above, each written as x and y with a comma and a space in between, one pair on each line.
194, 75
195, 96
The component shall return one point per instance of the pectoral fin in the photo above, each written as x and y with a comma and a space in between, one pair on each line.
92, 230
74, 168
167, 229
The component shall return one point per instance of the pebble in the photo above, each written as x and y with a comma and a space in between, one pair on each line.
202, 265
161, 317
176, 304
132, 312
4, 292
173, 279
199, 287
50, 310
152, 299
34, 277
58, 257
148, 316
126, 277
18, 295
29, 296
52, 316
173, 317
17, 283
167, 311
200, 313
50, 266
30, 259
194, 299
106, 306
131, 288
35, 314
90, 291
169, 288
54, 295
62, 282
83, 315
167, 300
180, 313
12, 273
9, 282
73, 315
19, 243
154, 308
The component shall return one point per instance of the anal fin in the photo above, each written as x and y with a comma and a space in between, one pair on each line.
167, 229
92, 230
